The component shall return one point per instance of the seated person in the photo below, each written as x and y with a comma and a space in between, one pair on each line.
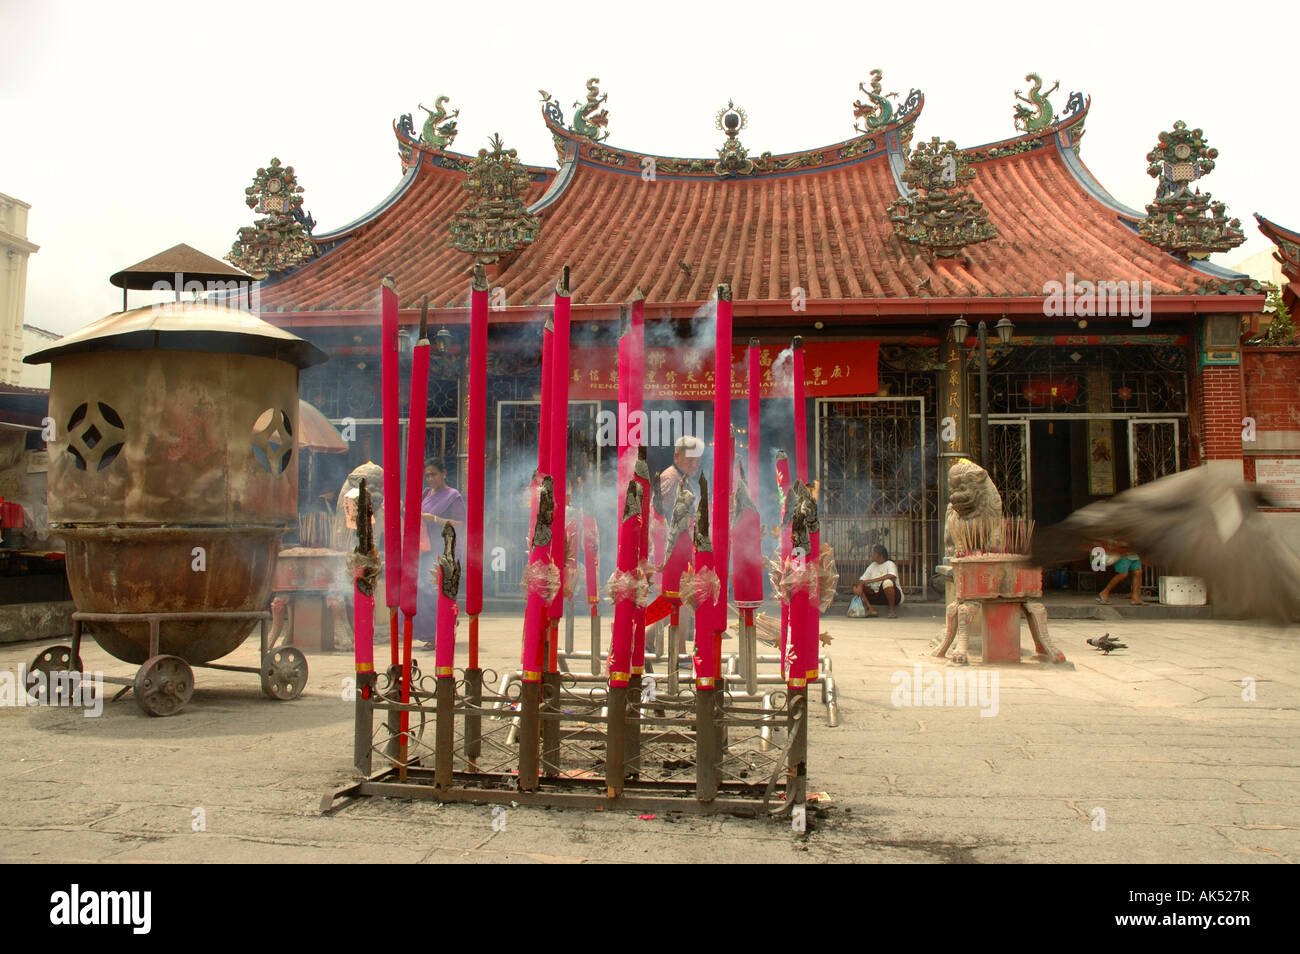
1129, 565
878, 584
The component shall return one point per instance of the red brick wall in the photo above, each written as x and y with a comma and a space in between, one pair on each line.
1272, 378
1216, 414
1272, 385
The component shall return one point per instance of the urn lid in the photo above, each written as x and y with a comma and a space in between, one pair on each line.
185, 326
180, 259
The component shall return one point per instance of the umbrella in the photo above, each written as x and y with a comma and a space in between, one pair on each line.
316, 433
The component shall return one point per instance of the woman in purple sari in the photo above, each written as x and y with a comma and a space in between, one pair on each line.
441, 505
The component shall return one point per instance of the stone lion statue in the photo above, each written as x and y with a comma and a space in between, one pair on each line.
973, 500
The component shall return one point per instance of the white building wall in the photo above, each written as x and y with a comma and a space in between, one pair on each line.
14, 251
36, 339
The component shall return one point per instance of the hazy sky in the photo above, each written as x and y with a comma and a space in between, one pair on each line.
130, 127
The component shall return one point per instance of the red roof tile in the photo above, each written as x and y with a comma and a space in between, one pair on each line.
821, 224
408, 240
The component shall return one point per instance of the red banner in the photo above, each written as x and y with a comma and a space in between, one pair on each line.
831, 369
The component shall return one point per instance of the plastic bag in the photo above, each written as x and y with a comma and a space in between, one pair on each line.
856, 608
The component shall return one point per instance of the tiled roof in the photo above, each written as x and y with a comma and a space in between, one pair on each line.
817, 220
1287, 254
408, 240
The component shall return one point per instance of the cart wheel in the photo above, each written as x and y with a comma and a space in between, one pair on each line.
163, 685
56, 659
284, 673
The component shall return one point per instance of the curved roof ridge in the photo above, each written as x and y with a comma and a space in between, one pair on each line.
1273, 231
1084, 177
408, 179
1076, 112
897, 149
865, 145
450, 159
561, 181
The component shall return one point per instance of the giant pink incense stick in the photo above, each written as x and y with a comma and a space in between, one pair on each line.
635, 397
799, 595
414, 489
559, 438
477, 424
641, 474
804, 637
801, 474
623, 586
539, 581
752, 447
811, 649
536, 581
419, 401
707, 654
800, 415
704, 582
392, 457
746, 531
544, 408
783, 554
625, 456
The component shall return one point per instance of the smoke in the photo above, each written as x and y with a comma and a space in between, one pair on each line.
783, 375
515, 375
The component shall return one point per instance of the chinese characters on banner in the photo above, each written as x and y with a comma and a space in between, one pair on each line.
832, 369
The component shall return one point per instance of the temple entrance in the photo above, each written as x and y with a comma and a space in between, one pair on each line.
870, 457
1057, 484
1008, 464
1154, 450
1048, 466
1071, 424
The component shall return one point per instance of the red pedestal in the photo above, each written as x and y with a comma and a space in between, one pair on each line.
1001, 632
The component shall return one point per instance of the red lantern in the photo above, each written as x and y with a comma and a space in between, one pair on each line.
1048, 390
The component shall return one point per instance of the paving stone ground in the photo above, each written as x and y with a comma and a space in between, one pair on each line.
1156, 741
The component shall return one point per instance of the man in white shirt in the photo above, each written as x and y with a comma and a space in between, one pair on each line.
688, 454
878, 584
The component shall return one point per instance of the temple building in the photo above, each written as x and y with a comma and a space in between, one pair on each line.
1121, 361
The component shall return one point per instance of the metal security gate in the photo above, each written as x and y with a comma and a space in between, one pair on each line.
1008, 464
870, 461
1153, 449
516, 459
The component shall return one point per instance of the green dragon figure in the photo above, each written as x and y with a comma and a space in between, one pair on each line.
880, 112
1027, 121
439, 137
588, 123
